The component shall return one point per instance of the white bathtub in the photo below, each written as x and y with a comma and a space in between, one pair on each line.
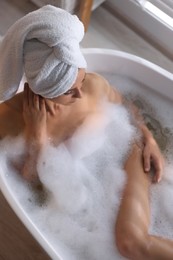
102, 60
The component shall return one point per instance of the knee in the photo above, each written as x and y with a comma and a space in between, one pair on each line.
132, 245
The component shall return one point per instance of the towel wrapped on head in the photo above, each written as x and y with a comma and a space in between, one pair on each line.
44, 45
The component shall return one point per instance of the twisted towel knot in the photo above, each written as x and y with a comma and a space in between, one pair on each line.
44, 45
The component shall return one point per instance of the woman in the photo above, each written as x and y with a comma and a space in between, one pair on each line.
132, 224
58, 99
44, 45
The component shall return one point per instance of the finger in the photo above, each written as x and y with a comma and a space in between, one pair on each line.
30, 98
25, 96
36, 101
51, 110
158, 176
146, 162
42, 104
25, 86
158, 172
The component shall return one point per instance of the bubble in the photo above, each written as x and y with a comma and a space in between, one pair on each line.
79, 198
83, 180
156, 111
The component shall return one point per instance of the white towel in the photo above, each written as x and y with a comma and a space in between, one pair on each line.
44, 45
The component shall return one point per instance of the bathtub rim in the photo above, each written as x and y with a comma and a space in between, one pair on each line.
128, 56
132, 67
25, 219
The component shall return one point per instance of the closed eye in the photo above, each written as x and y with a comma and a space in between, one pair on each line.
69, 92
73, 91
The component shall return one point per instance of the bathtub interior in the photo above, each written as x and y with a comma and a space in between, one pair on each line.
105, 62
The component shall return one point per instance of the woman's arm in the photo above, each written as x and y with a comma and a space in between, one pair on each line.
133, 221
152, 156
34, 113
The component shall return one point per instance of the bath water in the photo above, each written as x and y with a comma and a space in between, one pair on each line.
84, 178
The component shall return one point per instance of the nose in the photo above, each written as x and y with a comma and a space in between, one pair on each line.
78, 93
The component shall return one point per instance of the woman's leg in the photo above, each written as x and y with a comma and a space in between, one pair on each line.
132, 238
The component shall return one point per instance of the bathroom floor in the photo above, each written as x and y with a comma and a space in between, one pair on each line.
15, 241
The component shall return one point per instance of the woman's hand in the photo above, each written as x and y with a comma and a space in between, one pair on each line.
152, 158
145, 159
35, 116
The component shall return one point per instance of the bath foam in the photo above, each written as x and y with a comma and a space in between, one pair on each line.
84, 178
161, 224
156, 110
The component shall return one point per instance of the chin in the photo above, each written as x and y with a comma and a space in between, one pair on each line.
72, 101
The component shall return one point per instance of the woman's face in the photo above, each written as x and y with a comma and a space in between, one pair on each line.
74, 92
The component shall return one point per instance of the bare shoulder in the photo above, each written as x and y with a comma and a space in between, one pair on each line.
96, 81
98, 85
